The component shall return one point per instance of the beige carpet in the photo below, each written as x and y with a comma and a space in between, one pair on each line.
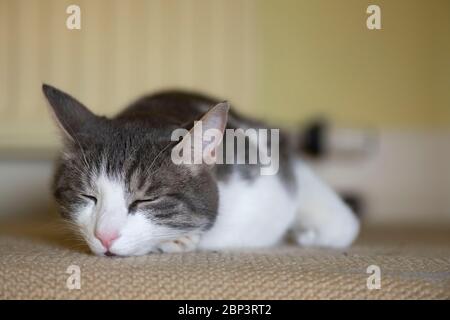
34, 260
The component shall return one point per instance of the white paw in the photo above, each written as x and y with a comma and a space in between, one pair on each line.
307, 238
183, 244
334, 235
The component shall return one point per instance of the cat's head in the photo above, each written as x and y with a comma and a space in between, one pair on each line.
117, 184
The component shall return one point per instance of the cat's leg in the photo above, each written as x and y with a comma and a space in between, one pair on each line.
323, 219
185, 243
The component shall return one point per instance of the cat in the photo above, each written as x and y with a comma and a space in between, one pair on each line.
116, 182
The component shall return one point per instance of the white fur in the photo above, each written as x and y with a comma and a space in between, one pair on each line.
322, 218
111, 210
260, 213
137, 234
251, 214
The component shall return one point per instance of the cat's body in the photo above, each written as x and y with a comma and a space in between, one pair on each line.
117, 182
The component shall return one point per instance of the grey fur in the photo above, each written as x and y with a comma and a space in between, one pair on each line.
135, 146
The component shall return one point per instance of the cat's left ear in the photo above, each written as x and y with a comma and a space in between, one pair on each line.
214, 123
203, 139
70, 114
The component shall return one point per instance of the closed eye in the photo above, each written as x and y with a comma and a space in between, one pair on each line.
89, 197
137, 202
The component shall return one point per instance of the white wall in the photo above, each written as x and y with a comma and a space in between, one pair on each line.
25, 187
406, 179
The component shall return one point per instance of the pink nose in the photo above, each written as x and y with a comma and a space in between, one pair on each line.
106, 238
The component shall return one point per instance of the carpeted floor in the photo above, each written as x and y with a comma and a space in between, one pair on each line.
34, 260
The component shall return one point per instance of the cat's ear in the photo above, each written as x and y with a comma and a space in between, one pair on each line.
214, 123
216, 118
203, 139
69, 114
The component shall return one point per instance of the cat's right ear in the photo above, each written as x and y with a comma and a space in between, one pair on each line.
69, 113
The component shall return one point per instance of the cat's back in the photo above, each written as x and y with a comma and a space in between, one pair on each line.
179, 108
172, 107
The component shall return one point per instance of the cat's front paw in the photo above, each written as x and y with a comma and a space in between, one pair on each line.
183, 244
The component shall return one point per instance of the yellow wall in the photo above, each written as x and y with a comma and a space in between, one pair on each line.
124, 49
319, 57
283, 60
442, 62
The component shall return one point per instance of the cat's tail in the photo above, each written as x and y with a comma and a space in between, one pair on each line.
311, 139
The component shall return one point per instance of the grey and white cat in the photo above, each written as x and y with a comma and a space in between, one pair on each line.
116, 182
